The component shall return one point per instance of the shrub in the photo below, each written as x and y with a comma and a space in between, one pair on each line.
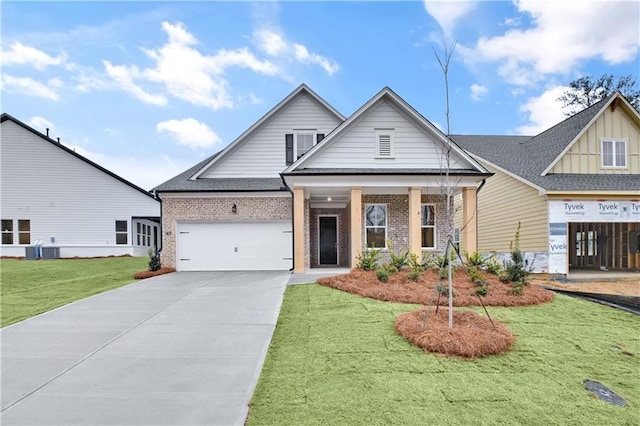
443, 290
413, 262
517, 289
398, 260
383, 275
391, 268
493, 266
516, 270
430, 261
482, 290
414, 274
154, 260
476, 277
368, 259
474, 259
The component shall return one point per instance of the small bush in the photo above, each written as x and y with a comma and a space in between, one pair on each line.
493, 266
474, 259
443, 290
516, 270
154, 260
430, 261
517, 289
413, 262
476, 277
398, 260
414, 274
482, 290
368, 259
383, 275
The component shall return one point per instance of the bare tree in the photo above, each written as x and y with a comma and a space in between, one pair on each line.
448, 187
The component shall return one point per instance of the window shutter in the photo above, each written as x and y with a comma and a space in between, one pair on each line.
384, 145
288, 148
319, 137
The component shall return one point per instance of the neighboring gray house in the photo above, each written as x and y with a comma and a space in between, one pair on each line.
53, 195
305, 187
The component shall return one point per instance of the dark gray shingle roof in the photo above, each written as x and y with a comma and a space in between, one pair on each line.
528, 157
181, 183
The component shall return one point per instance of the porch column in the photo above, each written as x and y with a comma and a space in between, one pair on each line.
415, 237
298, 230
469, 233
356, 224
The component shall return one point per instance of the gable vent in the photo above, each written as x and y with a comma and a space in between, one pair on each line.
384, 145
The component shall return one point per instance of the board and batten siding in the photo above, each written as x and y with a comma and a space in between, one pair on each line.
502, 203
263, 153
63, 196
356, 148
584, 155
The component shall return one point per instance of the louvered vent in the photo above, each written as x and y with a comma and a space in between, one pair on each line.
384, 145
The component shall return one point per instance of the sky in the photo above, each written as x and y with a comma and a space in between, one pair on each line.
148, 89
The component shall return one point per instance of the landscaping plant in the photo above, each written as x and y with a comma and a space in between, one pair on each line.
368, 259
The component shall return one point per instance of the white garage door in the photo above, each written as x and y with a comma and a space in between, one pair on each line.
234, 246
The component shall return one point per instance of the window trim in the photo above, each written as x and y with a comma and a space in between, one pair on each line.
383, 132
21, 232
434, 226
8, 232
296, 132
385, 227
125, 233
613, 153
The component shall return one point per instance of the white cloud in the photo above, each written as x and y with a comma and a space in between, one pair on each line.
19, 54
30, 87
275, 45
564, 34
189, 132
40, 124
185, 73
543, 112
448, 13
123, 76
478, 91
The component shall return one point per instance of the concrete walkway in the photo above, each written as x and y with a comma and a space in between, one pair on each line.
178, 349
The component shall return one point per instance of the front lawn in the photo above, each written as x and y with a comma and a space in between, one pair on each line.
30, 287
336, 359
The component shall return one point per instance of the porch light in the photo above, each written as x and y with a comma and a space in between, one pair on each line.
234, 208
329, 198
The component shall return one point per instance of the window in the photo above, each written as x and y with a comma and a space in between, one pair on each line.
614, 153
303, 143
24, 231
456, 238
121, 232
376, 225
7, 231
384, 143
428, 225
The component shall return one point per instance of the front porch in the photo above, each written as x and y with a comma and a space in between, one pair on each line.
333, 224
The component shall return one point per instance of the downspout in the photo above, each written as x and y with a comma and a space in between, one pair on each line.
159, 246
477, 191
293, 248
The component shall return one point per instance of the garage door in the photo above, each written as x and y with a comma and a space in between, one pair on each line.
234, 246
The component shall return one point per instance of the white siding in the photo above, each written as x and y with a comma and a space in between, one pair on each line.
263, 153
356, 148
65, 197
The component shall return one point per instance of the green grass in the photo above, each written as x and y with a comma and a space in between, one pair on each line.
335, 359
28, 288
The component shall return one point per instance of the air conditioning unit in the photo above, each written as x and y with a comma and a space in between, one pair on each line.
51, 252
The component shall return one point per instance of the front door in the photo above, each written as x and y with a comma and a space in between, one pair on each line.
328, 240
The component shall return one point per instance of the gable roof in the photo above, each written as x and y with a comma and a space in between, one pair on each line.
530, 158
302, 89
182, 183
4, 117
386, 94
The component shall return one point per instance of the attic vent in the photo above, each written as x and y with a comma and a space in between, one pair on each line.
384, 143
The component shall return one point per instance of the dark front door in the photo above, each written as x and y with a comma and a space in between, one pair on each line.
328, 240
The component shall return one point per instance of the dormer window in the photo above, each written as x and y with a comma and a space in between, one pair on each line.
614, 153
384, 143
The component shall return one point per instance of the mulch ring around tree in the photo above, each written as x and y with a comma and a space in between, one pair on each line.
471, 336
401, 289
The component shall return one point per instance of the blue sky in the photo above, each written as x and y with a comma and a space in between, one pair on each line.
148, 89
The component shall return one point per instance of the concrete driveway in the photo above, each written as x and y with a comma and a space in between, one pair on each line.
179, 349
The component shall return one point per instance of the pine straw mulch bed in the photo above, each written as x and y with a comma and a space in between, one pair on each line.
471, 336
401, 289
148, 274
